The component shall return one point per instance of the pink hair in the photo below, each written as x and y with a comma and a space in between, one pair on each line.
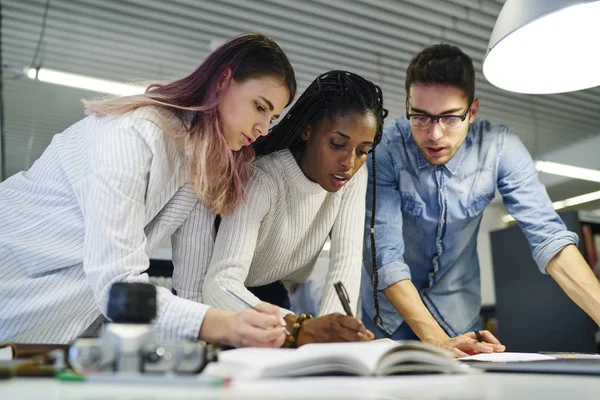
221, 180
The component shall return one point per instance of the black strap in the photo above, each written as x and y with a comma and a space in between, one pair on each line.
217, 223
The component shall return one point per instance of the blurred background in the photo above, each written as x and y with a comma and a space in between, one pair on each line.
133, 41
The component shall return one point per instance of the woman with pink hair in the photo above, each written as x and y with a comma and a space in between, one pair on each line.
110, 189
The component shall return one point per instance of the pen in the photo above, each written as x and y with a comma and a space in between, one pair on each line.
238, 298
478, 336
343, 296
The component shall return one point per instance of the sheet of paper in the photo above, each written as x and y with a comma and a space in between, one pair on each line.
507, 357
6, 353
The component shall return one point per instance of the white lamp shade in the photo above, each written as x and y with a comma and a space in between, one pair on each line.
545, 46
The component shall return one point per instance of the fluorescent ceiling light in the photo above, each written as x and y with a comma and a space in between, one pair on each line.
573, 201
544, 46
570, 171
83, 82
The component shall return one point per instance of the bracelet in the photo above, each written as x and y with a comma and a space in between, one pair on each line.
292, 338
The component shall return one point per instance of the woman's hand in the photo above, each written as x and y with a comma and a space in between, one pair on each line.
334, 327
249, 328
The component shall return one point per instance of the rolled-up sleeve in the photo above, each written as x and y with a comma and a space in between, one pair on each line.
392, 273
527, 201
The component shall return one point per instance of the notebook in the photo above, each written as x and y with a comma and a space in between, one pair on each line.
507, 357
361, 359
569, 366
551, 363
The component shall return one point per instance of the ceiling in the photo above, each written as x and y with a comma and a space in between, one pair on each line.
149, 40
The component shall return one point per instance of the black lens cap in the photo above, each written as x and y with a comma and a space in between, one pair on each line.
132, 303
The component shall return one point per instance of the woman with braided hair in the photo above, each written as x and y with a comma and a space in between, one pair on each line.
308, 185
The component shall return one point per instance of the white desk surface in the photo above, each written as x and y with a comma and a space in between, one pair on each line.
492, 386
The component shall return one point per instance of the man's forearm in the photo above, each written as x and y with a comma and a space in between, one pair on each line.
575, 277
405, 298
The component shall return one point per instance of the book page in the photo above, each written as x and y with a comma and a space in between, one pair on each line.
413, 356
252, 363
507, 357
367, 353
329, 358
360, 358
258, 357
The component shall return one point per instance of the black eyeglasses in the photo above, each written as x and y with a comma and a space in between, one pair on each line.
424, 121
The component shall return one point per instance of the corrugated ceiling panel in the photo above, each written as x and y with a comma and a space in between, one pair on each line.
148, 40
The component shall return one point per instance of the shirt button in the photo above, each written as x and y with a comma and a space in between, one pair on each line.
443, 221
440, 241
441, 190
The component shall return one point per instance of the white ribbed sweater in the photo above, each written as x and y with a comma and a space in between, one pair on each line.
280, 231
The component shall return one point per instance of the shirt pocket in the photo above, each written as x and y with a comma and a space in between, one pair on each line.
483, 191
411, 209
477, 207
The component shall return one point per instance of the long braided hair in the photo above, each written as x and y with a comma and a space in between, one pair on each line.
332, 94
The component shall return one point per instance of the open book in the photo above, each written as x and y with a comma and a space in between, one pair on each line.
385, 357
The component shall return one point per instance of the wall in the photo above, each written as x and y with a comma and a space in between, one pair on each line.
492, 220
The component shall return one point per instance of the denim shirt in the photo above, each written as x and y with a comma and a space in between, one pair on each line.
427, 219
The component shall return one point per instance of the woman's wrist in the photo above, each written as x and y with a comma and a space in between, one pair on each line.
296, 337
216, 326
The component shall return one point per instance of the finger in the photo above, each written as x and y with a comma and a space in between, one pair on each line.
259, 319
344, 334
257, 337
352, 324
499, 347
279, 342
276, 343
488, 337
370, 335
269, 308
458, 353
491, 347
349, 335
472, 346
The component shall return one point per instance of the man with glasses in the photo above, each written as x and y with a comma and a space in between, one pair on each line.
437, 169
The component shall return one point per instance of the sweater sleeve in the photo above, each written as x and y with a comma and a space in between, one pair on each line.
235, 246
345, 259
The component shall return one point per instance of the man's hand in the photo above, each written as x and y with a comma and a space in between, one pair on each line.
334, 327
467, 344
